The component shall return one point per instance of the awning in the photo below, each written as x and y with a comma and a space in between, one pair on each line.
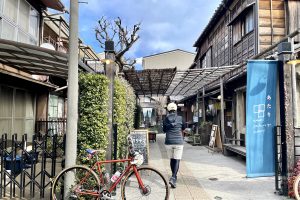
187, 83
54, 4
33, 59
150, 81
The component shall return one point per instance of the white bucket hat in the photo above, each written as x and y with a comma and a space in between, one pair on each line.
172, 106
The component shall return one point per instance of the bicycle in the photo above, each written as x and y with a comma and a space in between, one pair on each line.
137, 182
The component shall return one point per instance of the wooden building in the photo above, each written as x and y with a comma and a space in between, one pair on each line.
32, 76
238, 31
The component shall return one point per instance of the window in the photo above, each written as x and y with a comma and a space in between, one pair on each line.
19, 21
11, 9
244, 25
56, 107
248, 22
33, 22
8, 31
17, 108
24, 15
236, 31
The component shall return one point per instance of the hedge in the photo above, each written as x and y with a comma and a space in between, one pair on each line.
93, 117
124, 107
93, 113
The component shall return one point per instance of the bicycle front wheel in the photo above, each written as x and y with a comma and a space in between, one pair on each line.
297, 187
76, 182
155, 183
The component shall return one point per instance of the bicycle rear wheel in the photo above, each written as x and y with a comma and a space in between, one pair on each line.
155, 183
82, 184
296, 187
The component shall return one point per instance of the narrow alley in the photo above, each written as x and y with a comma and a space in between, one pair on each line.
205, 175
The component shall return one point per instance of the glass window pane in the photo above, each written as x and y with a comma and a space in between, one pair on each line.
32, 41
249, 22
34, 23
8, 31
6, 99
5, 126
29, 106
29, 128
23, 37
24, 15
19, 127
60, 108
11, 9
1, 6
20, 103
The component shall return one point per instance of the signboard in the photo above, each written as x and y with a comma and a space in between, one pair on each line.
141, 143
215, 138
261, 117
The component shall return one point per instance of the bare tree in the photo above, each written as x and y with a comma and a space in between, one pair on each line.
123, 37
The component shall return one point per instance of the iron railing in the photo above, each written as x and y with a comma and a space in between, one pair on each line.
56, 126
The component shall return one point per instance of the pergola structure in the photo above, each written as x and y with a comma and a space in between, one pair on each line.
150, 81
169, 82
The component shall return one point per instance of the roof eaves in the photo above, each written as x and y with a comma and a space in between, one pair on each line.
213, 19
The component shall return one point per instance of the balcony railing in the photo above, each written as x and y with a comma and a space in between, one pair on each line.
57, 45
57, 126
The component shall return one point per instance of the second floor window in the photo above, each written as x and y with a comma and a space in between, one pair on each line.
243, 26
248, 22
19, 21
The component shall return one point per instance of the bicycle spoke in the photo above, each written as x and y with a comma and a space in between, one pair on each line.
153, 181
75, 183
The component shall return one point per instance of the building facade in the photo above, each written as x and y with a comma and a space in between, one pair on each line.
33, 66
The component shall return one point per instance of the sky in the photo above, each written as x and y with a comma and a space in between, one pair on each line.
165, 24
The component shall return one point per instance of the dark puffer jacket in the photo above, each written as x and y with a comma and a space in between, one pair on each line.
173, 126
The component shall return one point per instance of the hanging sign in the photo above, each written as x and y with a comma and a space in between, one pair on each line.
261, 117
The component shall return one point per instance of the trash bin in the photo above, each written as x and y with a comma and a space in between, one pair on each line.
14, 166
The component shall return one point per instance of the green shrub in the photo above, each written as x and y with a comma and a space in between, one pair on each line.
124, 107
93, 117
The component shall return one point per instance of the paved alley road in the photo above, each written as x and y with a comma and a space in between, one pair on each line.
205, 175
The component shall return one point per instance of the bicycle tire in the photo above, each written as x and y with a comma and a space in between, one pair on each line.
296, 187
156, 184
92, 183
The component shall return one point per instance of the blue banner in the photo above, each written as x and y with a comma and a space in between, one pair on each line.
261, 117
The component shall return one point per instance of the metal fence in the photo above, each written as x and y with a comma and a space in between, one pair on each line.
28, 166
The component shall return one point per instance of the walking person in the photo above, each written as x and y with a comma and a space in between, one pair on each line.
173, 127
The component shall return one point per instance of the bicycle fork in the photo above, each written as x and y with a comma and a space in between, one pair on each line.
141, 184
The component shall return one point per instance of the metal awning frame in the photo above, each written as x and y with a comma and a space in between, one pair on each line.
187, 83
33, 59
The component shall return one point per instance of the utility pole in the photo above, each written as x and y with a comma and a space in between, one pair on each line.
110, 70
286, 113
72, 102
